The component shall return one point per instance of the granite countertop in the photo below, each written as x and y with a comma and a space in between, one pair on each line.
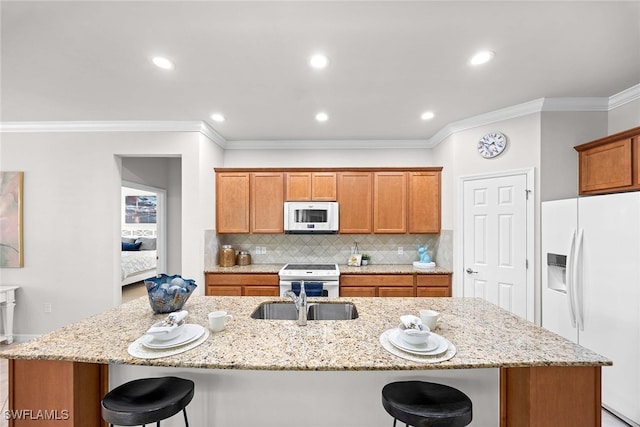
344, 269
485, 337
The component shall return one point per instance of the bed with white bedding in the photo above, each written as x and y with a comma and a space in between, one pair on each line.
139, 259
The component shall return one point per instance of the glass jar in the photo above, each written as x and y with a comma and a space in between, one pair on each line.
227, 256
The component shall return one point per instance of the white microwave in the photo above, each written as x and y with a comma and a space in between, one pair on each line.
311, 217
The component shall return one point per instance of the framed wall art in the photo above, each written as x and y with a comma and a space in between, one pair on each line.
11, 251
140, 209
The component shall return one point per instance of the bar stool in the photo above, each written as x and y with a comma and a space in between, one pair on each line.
147, 400
423, 404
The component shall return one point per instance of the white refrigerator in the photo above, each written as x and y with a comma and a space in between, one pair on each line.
591, 287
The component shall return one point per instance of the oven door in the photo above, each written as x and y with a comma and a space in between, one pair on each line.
313, 288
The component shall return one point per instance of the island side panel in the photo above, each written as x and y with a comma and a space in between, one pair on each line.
550, 396
56, 393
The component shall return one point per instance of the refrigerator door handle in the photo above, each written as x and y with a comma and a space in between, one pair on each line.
569, 274
579, 282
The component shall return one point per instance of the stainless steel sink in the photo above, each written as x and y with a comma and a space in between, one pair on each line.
332, 311
315, 311
275, 311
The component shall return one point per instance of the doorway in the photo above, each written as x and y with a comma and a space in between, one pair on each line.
496, 243
142, 232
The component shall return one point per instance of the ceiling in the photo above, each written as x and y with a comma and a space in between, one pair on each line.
389, 62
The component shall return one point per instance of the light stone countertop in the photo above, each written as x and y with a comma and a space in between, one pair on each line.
485, 336
344, 269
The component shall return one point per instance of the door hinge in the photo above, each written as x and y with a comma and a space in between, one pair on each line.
526, 192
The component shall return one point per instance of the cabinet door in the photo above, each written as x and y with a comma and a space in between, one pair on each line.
354, 198
232, 202
267, 202
424, 202
323, 186
606, 166
636, 160
390, 202
298, 186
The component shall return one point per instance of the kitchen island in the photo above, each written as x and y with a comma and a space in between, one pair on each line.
262, 371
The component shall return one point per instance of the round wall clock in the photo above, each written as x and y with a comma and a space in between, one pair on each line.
492, 144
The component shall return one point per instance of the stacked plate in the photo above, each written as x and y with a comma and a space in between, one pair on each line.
435, 345
189, 334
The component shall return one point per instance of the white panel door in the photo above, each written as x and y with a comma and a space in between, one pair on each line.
610, 265
495, 241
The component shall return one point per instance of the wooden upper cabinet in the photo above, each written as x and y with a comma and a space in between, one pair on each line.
267, 202
354, 198
390, 202
424, 202
610, 164
371, 200
232, 202
316, 186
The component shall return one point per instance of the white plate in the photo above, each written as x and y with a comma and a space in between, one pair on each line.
435, 345
190, 333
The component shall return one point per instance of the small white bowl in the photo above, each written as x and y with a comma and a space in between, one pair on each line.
414, 336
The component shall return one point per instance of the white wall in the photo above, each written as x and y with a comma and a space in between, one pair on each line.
561, 131
72, 217
624, 117
329, 158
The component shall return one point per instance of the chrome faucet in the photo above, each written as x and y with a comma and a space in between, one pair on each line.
300, 303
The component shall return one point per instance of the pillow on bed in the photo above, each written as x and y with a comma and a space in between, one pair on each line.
128, 240
147, 243
131, 246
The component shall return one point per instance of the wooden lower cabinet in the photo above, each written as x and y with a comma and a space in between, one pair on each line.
395, 285
566, 396
56, 393
236, 284
433, 285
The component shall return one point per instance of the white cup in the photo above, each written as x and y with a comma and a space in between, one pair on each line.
218, 320
429, 318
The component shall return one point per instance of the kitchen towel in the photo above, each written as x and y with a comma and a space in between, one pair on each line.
312, 289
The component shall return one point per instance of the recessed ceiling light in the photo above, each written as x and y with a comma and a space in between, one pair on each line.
322, 117
217, 117
427, 115
482, 57
163, 63
318, 61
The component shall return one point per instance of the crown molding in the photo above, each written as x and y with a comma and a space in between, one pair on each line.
628, 95
585, 104
115, 126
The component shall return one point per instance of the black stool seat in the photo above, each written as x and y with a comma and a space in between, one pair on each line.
423, 404
147, 400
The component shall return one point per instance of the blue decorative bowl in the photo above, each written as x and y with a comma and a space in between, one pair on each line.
168, 293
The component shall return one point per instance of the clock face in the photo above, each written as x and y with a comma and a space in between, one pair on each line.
492, 144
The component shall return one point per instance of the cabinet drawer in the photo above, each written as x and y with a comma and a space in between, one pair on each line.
262, 291
376, 280
228, 291
358, 291
435, 291
241, 279
433, 280
395, 291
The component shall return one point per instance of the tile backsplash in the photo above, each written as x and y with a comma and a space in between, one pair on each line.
305, 248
